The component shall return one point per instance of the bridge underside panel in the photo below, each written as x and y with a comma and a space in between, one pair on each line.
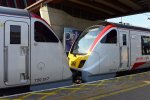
91, 9
96, 9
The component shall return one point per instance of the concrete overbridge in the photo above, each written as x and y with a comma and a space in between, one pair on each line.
99, 9
84, 13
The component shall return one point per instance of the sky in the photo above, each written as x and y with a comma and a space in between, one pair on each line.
140, 20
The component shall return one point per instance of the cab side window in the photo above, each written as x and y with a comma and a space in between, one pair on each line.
145, 40
43, 33
15, 34
110, 38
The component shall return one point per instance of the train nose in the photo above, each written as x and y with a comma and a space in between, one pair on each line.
77, 61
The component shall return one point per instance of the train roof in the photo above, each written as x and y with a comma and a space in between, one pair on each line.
14, 11
125, 26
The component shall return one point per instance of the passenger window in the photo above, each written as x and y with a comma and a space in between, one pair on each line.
110, 38
124, 39
15, 34
145, 40
43, 33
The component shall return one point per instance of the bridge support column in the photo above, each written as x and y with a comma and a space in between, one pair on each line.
58, 19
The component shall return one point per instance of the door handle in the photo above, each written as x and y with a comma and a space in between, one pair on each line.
23, 50
23, 76
6, 64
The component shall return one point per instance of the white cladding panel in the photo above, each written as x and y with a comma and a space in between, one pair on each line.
136, 48
109, 58
109, 55
16, 53
93, 62
49, 62
106, 57
135, 37
14, 62
46, 60
124, 42
2, 52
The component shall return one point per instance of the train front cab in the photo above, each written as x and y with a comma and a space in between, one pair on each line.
49, 64
100, 52
32, 56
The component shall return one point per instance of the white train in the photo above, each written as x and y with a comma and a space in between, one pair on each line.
31, 55
105, 49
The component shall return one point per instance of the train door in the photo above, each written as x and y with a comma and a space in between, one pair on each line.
16, 56
46, 54
110, 52
124, 49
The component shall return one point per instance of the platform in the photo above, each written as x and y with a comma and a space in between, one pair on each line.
131, 87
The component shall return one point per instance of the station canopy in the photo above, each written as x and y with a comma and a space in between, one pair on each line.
96, 9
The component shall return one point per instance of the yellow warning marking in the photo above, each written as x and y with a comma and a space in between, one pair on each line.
148, 82
16, 99
94, 84
35, 93
57, 90
43, 93
130, 77
101, 83
71, 88
111, 80
26, 96
43, 97
142, 75
78, 89
146, 73
118, 79
47, 94
117, 92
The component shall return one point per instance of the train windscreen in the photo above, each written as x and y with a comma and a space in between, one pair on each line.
85, 40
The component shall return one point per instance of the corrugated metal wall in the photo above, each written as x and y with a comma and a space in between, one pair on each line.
17, 3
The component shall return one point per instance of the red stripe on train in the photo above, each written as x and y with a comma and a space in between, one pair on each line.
137, 65
100, 36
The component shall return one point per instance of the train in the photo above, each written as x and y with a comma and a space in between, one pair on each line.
106, 49
31, 57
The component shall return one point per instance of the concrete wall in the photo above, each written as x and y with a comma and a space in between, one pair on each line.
59, 19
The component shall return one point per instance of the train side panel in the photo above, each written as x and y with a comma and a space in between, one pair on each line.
104, 60
109, 52
43, 63
140, 54
2, 53
124, 49
116, 48
47, 57
14, 53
